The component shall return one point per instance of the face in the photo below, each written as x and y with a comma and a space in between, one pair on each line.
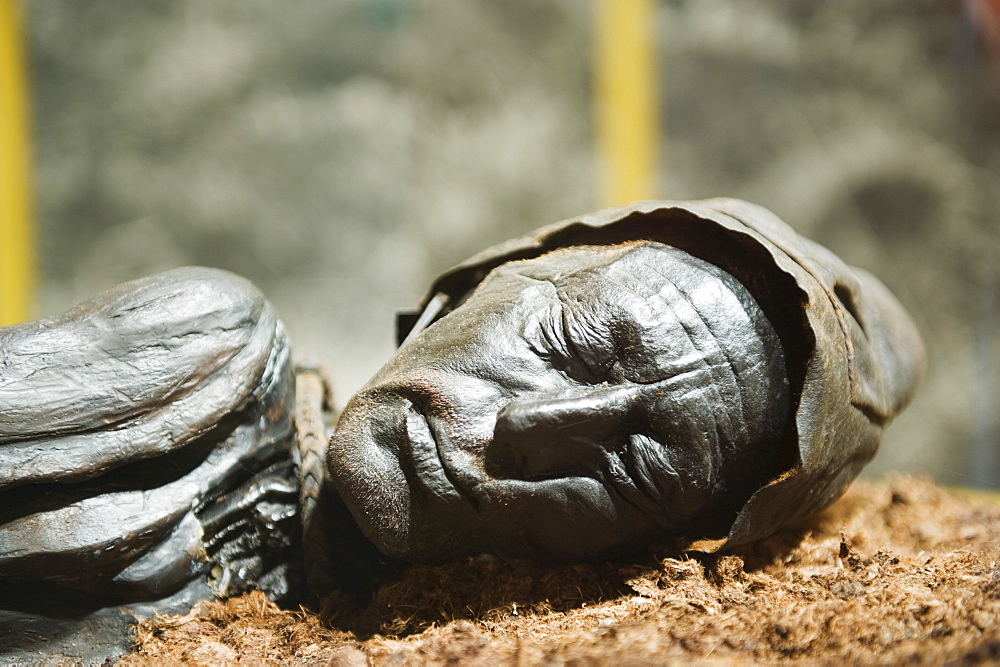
575, 405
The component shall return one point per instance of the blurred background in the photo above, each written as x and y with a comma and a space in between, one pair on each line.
341, 154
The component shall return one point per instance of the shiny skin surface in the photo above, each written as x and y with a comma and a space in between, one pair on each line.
129, 426
579, 404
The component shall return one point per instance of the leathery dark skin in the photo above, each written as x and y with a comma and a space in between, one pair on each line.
691, 374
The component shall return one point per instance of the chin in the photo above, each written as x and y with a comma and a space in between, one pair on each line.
371, 482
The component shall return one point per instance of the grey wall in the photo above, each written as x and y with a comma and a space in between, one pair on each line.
340, 154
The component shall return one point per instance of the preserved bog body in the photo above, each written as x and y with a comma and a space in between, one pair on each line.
693, 373
690, 374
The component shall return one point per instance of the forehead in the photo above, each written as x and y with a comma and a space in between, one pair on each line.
647, 297
637, 272
643, 301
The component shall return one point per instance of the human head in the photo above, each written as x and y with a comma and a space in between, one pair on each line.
577, 404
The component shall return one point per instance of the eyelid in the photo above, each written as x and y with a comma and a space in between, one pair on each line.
577, 345
548, 339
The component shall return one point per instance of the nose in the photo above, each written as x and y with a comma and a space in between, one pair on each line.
538, 437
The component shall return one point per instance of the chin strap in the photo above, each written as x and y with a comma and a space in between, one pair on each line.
408, 325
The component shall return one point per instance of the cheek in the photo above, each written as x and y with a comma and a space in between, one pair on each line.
464, 407
685, 419
364, 467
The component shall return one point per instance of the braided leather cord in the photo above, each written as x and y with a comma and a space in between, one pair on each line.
337, 557
312, 405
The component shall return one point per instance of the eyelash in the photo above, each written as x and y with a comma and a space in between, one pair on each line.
554, 354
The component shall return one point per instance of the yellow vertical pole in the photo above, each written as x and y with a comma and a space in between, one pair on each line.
17, 256
626, 90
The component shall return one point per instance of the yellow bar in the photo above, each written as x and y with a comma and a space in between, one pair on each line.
628, 137
17, 254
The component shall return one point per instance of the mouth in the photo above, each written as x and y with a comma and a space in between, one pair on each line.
425, 455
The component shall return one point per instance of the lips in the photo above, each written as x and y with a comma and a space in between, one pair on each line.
426, 457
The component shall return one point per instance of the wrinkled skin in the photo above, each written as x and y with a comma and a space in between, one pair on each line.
578, 404
852, 356
689, 369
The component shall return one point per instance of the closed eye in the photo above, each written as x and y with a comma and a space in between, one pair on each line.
557, 341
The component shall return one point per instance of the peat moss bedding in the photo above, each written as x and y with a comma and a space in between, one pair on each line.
900, 570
